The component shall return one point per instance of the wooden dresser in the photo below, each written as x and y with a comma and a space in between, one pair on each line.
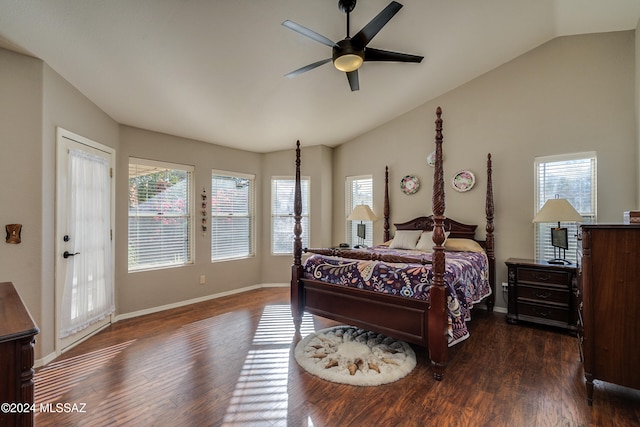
17, 339
609, 303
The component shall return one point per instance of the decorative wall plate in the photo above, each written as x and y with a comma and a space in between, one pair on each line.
431, 159
463, 181
409, 184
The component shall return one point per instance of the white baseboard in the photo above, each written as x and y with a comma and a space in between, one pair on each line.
196, 300
50, 357
45, 360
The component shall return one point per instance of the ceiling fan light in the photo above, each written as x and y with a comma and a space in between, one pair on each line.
348, 62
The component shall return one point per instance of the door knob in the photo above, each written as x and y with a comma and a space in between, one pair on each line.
67, 254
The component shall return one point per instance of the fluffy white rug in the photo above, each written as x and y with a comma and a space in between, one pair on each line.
349, 355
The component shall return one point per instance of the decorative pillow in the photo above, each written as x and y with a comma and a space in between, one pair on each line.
426, 241
405, 239
462, 245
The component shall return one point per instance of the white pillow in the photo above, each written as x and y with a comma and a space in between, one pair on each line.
426, 241
405, 239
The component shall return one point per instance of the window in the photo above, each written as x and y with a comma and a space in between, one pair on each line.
358, 191
232, 215
160, 214
282, 220
571, 177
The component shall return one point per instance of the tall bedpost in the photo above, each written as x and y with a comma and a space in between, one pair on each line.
386, 204
489, 238
296, 268
438, 298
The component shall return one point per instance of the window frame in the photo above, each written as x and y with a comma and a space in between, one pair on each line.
251, 215
189, 216
543, 249
306, 213
350, 203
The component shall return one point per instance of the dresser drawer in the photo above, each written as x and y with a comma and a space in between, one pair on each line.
539, 312
543, 277
544, 294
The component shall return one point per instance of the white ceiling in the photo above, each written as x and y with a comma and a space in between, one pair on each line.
214, 70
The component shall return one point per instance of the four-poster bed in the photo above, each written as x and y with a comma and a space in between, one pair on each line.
420, 313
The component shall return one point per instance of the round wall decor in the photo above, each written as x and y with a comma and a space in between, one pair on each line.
463, 181
409, 184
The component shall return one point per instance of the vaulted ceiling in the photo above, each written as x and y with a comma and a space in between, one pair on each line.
214, 70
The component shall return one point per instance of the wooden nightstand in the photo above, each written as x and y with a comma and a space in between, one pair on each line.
542, 293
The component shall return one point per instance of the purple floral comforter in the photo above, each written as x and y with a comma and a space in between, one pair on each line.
466, 279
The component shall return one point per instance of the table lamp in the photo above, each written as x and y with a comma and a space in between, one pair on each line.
559, 210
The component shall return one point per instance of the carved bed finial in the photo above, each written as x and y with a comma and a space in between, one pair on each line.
437, 294
489, 239
386, 204
297, 212
297, 303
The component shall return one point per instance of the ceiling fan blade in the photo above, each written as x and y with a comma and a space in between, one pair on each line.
352, 76
308, 33
371, 54
307, 68
364, 36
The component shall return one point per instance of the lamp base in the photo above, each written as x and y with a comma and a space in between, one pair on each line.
559, 261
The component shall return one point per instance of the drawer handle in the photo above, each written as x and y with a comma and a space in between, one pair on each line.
542, 295
542, 277
542, 313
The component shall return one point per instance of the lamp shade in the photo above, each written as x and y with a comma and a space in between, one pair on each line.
362, 213
557, 210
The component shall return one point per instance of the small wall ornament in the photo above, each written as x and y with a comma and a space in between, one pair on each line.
204, 211
13, 233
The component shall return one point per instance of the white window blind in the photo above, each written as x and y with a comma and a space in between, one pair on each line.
358, 191
571, 177
160, 214
282, 220
232, 215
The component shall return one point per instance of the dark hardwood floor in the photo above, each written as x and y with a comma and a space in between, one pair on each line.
229, 362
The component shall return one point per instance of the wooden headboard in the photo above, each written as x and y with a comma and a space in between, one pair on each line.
455, 228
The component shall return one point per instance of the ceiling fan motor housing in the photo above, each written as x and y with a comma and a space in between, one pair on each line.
346, 6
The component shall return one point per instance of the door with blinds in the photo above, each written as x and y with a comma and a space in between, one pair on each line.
84, 244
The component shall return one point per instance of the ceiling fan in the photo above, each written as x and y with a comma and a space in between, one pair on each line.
351, 52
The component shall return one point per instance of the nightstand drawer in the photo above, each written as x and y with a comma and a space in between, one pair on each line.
544, 294
538, 312
544, 277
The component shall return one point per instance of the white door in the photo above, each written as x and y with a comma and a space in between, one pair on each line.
84, 244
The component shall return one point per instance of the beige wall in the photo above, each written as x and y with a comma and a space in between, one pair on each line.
148, 289
572, 94
637, 95
21, 161
34, 101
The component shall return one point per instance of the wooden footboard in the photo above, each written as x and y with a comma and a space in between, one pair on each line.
395, 316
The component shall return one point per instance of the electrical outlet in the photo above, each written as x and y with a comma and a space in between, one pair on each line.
505, 286
202, 279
